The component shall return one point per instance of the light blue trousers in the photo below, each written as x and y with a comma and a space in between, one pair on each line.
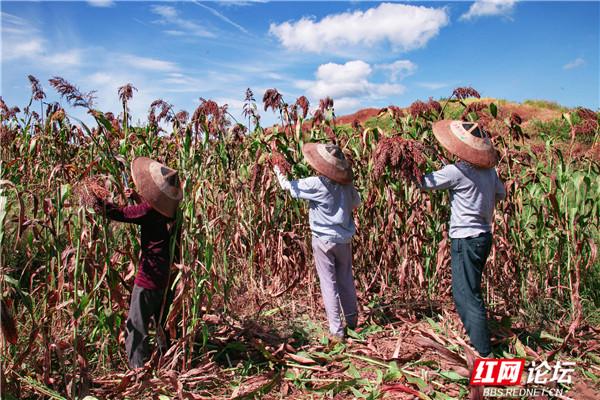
334, 266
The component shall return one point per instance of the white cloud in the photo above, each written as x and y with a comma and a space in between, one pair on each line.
165, 11
234, 106
275, 76
101, 3
107, 82
21, 40
71, 58
151, 64
221, 16
188, 83
348, 84
488, 8
236, 3
352, 71
11, 24
170, 16
405, 27
578, 62
399, 69
99, 78
346, 105
174, 32
433, 85
22, 49
27, 44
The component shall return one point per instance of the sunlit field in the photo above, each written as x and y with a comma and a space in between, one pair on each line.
247, 319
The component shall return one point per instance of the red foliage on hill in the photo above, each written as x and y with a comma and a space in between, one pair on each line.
525, 111
362, 116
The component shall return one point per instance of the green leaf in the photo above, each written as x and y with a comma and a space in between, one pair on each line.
320, 354
379, 378
64, 192
84, 301
520, 349
357, 393
25, 298
32, 145
590, 375
453, 376
393, 372
494, 110
353, 372
392, 376
434, 325
547, 336
442, 396
3, 212
593, 357
417, 381
40, 387
290, 374
353, 334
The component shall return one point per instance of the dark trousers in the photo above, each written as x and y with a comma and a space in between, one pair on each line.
468, 259
145, 305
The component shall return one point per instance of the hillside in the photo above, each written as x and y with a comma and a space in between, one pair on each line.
536, 115
529, 111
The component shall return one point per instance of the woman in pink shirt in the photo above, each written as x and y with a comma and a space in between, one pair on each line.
160, 194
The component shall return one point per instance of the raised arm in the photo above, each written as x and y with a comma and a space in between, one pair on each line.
306, 189
445, 178
136, 214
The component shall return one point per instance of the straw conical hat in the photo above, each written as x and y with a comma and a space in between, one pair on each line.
467, 141
157, 184
328, 160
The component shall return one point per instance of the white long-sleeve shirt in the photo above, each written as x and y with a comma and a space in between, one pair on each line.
473, 196
330, 205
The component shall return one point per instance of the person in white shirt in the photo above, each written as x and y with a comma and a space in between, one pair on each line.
475, 188
332, 198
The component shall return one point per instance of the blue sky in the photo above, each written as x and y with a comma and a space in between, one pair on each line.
363, 54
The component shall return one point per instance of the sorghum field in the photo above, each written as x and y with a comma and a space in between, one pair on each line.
247, 318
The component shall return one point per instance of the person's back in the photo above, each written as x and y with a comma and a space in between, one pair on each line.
474, 188
330, 207
155, 235
473, 195
332, 198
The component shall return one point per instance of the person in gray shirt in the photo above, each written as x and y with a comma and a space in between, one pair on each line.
332, 198
474, 192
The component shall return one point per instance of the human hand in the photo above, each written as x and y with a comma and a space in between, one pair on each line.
281, 178
417, 179
133, 195
98, 205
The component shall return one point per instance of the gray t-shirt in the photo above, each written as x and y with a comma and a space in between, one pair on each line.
330, 207
473, 196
